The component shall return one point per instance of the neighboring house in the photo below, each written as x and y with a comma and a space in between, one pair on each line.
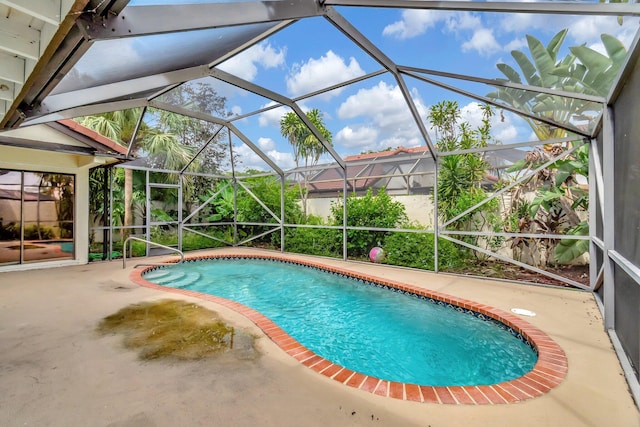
44, 192
402, 171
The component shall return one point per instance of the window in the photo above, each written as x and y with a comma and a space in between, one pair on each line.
36, 216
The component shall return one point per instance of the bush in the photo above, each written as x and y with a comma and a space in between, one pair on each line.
31, 233
138, 249
10, 231
377, 211
314, 241
193, 241
268, 190
417, 250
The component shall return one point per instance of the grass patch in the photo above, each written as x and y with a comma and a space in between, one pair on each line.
176, 330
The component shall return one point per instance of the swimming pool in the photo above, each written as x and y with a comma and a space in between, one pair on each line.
387, 331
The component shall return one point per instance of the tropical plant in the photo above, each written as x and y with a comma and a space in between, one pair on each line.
461, 176
168, 140
307, 148
583, 70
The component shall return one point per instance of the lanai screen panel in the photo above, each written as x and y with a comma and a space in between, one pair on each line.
627, 221
627, 178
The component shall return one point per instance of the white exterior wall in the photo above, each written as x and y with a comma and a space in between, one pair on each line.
419, 208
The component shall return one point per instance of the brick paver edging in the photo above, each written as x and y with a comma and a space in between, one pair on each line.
548, 372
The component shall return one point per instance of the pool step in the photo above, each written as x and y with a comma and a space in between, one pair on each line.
168, 278
156, 274
187, 279
175, 279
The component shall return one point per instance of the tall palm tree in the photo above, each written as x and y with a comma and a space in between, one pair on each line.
120, 126
306, 146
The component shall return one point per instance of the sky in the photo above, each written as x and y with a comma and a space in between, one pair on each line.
372, 115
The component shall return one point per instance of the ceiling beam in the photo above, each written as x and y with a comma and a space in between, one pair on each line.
136, 21
48, 146
127, 88
507, 84
87, 110
359, 39
48, 11
545, 7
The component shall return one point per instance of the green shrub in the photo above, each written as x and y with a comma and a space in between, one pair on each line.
193, 242
378, 211
10, 231
268, 190
314, 241
417, 250
138, 249
31, 233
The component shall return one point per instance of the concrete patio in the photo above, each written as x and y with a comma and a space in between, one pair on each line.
56, 371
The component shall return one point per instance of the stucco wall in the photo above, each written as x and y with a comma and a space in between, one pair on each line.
419, 208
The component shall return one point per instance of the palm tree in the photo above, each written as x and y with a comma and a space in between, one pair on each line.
306, 146
120, 126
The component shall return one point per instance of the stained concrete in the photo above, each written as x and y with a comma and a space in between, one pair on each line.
56, 371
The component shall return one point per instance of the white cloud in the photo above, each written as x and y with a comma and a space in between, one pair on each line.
383, 109
587, 29
483, 42
272, 117
519, 22
363, 137
413, 23
283, 160
245, 64
319, 73
465, 25
248, 159
516, 44
266, 144
236, 110
502, 128
507, 135
463, 21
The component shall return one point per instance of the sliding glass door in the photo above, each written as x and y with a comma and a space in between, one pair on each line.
36, 216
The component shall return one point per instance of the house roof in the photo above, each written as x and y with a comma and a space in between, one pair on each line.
363, 175
106, 143
387, 153
63, 136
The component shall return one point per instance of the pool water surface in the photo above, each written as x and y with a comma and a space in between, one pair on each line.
363, 326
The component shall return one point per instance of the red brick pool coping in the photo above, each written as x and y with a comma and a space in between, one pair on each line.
548, 372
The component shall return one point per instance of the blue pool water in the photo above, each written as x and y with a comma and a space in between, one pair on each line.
65, 246
365, 328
